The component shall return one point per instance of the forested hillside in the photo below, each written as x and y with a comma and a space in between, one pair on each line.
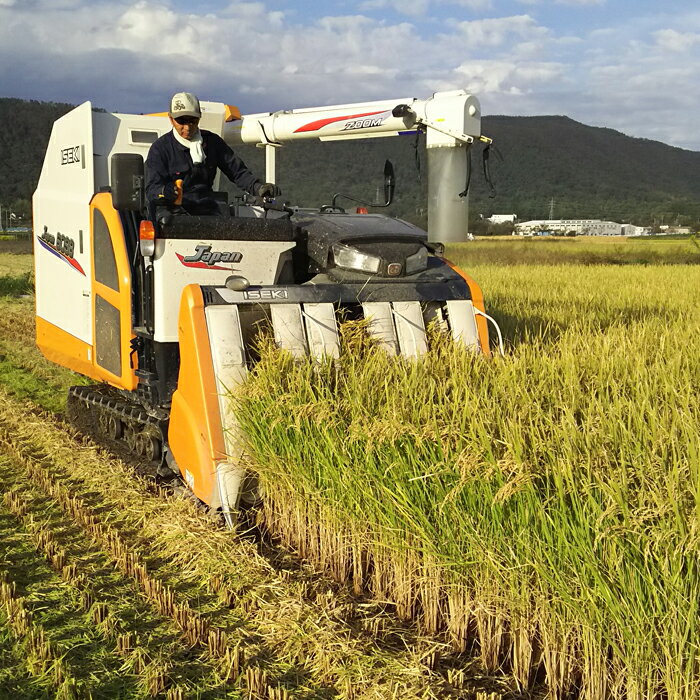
26, 126
587, 171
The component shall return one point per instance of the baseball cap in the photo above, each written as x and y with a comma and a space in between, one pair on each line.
184, 104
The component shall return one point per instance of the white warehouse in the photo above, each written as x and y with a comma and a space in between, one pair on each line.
579, 227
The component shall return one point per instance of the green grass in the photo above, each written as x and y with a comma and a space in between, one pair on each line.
15, 259
23, 370
16, 286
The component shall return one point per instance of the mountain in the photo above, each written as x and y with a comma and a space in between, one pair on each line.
589, 172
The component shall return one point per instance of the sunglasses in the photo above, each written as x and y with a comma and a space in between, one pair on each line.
185, 121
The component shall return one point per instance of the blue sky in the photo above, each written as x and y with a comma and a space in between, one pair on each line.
631, 66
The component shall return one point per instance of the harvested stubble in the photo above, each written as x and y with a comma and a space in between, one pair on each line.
195, 630
544, 505
56, 606
42, 656
287, 622
150, 659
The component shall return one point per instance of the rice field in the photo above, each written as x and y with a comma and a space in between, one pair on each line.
519, 527
112, 586
542, 507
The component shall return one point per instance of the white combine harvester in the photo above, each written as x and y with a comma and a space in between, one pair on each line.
165, 321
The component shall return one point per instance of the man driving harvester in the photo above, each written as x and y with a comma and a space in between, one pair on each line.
181, 165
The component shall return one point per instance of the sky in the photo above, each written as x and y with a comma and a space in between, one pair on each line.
630, 65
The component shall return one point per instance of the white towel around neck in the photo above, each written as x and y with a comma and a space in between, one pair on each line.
194, 144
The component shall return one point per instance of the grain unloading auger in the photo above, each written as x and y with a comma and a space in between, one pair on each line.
165, 322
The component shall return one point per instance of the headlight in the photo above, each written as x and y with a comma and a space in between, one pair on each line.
353, 259
417, 262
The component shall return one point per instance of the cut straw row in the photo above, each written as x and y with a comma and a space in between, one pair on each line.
43, 657
153, 672
195, 630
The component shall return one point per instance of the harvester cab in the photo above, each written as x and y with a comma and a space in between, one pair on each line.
165, 316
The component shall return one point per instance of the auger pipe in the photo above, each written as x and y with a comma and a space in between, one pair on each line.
451, 120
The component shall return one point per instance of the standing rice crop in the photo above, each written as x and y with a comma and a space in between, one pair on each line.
544, 506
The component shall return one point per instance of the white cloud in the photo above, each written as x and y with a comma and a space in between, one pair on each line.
475, 5
131, 55
671, 40
412, 8
496, 32
507, 77
416, 8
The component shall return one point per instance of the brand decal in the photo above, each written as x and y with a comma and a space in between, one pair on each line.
70, 155
377, 118
206, 258
61, 246
266, 294
366, 122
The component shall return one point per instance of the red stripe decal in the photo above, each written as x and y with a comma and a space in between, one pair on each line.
71, 261
314, 126
76, 265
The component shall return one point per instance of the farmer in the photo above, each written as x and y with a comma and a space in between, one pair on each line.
182, 164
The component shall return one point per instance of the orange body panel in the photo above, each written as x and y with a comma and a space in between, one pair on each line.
64, 349
119, 299
195, 433
231, 113
59, 346
478, 301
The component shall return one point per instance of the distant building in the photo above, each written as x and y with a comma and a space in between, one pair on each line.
502, 218
578, 227
632, 230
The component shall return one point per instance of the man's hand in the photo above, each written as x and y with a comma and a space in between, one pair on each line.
171, 192
268, 189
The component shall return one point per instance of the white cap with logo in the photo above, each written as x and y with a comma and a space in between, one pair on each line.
184, 104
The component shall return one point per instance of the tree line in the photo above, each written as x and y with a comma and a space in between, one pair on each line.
589, 172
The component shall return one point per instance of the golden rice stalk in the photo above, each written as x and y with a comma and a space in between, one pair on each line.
256, 683
277, 693
233, 661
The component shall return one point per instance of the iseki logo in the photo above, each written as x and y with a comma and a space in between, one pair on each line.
70, 155
266, 294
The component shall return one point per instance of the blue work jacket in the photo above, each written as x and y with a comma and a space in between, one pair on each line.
168, 161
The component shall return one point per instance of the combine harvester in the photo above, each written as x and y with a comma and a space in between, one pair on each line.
164, 316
